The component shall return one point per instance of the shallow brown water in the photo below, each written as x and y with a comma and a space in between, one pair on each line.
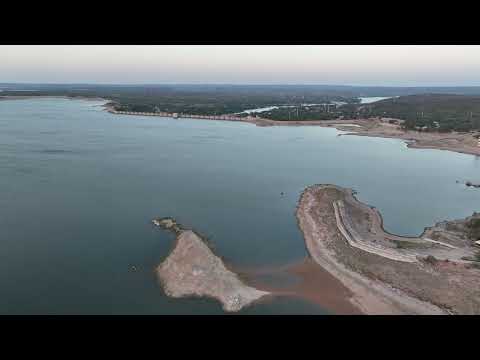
305, 280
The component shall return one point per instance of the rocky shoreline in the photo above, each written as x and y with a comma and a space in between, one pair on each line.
192, 269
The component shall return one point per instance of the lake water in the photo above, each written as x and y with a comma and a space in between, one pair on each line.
372, 99
80, 187
258, 110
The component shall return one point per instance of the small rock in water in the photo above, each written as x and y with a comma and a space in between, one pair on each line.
469, 183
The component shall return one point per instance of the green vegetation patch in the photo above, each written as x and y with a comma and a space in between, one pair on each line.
430, 112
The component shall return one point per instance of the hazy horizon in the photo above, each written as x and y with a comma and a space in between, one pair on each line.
237, 84
327, 65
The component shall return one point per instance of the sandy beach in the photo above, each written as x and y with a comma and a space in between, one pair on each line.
465, 143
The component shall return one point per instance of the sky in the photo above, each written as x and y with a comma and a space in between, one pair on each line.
372, 65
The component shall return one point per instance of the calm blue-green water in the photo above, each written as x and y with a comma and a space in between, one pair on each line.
79, 187
372, 99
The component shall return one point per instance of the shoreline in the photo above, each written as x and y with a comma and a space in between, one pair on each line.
29, 97
200, 273
192, 270
371, 297
354, 265
373, 270
463, 143
305, 280
417, 144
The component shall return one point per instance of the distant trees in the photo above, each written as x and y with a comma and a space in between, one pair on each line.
442, 112
302, 113
439, 112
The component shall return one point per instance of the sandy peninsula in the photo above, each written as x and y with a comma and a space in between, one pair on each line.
386, 273
192, 269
